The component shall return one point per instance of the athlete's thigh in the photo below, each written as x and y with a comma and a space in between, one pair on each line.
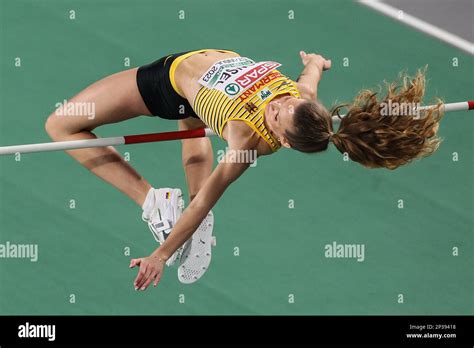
191, 123
113, 99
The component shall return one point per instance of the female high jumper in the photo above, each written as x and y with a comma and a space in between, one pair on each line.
253, 107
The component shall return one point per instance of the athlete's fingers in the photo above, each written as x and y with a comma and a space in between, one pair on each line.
135, 262
141, 274
149, 280
304, 57
327, 64
147, 276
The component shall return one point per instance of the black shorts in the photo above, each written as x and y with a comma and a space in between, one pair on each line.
160, 97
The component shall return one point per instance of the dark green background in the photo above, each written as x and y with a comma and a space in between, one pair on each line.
407, 251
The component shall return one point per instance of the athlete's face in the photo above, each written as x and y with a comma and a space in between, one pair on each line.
279, 116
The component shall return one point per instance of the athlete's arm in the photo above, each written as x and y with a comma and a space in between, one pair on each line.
226, 172
309, 78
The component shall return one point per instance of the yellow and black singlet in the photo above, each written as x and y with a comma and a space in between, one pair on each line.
238, 88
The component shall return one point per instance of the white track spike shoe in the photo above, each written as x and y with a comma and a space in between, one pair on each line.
196, 254
167, 209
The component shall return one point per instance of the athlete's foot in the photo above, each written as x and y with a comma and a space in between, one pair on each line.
161, 210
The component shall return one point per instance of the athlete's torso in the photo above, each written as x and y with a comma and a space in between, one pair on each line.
187, 76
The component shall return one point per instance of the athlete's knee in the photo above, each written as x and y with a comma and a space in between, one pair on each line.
192, 159
55, 127
51, 126
197, 151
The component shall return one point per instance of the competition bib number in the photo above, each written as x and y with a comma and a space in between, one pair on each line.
232, 76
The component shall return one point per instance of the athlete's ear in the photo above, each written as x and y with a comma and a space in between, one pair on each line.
284, 142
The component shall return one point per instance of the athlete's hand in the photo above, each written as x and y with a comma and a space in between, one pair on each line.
151, 270
320, 61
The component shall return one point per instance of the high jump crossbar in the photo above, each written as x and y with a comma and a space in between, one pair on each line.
157, 137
